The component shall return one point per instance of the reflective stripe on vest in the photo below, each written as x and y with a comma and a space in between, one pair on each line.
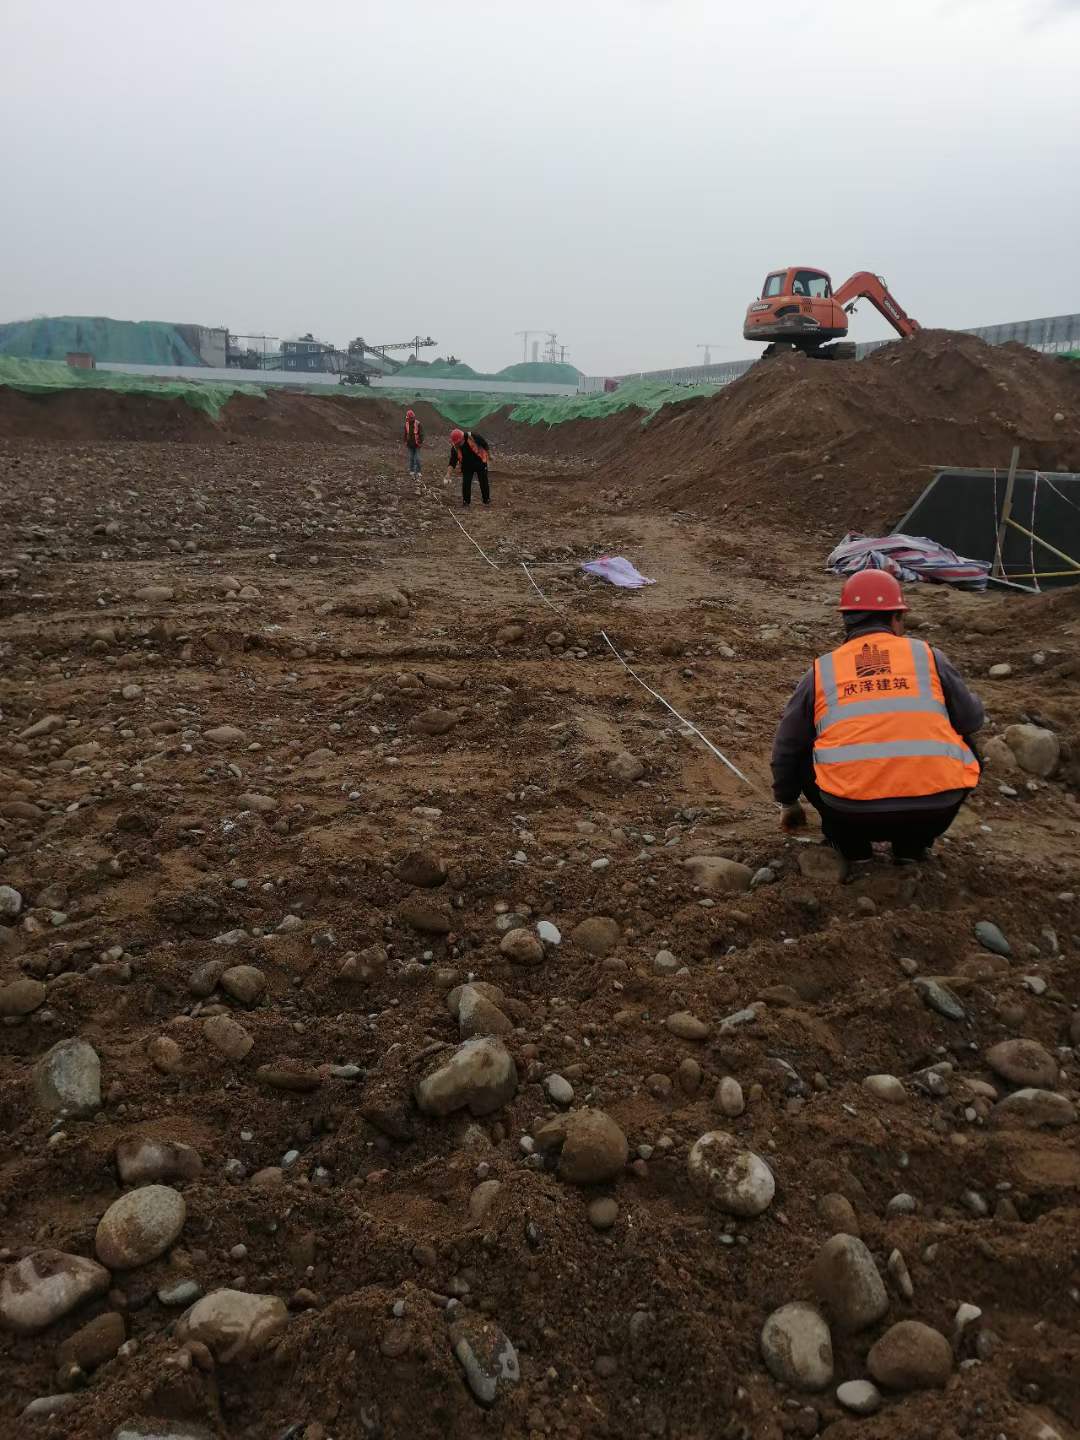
901, 742
478, 450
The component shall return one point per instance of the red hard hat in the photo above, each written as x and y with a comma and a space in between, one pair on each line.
456, 436
872, 590
410, 414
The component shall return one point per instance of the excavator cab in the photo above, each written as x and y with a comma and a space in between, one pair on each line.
796, 310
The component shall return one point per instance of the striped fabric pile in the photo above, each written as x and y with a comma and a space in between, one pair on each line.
909, 558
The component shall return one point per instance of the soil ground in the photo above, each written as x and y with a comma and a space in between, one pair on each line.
371, 609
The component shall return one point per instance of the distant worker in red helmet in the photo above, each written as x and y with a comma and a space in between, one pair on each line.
878, 734
414, 438
472, 452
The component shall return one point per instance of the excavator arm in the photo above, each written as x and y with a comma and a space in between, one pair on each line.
866, 286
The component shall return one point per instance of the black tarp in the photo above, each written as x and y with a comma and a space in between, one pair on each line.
962, 509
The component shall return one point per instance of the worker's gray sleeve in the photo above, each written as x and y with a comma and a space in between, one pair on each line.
793, 745
965, 709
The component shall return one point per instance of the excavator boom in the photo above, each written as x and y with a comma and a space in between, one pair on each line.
865, 285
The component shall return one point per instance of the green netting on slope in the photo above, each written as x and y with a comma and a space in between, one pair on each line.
43, 377
647, 395
469, 408
121, 342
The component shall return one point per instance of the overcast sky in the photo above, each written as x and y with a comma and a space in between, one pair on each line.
621, 171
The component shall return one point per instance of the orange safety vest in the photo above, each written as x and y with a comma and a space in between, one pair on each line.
477, 450
881, 722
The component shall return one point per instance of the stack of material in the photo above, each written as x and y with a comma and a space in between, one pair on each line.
908, 557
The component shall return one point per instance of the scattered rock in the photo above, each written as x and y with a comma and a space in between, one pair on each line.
144, 1160
729, 1097
733, 1179
1023, 1062
477, 1015
797, 1347
625, 766
558, 1090
859, 1396
487, 1357
838, 1213
10, 902
67, 1079
887, 1088
717, 875
225, 735
22, 996
140, 1226
480, 1076
228, 1037
435, 722
244, 983
234, 1325
847, 1283
591, 1147
428, 916
261, 804
290, 1075
603, 1213
598, 935
821, 862
1001, 671
482, 1198
990, 938
44, 1286
550, 934
422, 869
95, 1343
687, 1026
1033, 1108
1037, 750
522, 947
911, 1356
940, 998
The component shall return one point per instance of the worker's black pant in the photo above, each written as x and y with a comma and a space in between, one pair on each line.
910, 832
481, 474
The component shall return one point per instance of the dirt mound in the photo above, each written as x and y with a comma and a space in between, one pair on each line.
853, 443
80, 415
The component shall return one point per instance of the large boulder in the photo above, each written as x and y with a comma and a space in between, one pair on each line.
591, 1147
67, 1078
598, 935
480, 1077
797, 1347
847, 1283
44, 1286
1037, 750
140, 1226
911, 1356
233, 1324
717, 875
732, 1178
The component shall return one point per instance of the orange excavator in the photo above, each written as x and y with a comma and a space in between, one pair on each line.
799, 310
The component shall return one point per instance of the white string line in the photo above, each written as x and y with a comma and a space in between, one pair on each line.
604, 636
681, 718
1047, 481
539, 592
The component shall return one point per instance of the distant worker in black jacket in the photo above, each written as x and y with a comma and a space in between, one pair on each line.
473, 453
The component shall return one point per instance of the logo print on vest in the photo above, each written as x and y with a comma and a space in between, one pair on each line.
871, 660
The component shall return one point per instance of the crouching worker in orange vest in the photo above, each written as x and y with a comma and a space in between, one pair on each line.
878, 735
472, 452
